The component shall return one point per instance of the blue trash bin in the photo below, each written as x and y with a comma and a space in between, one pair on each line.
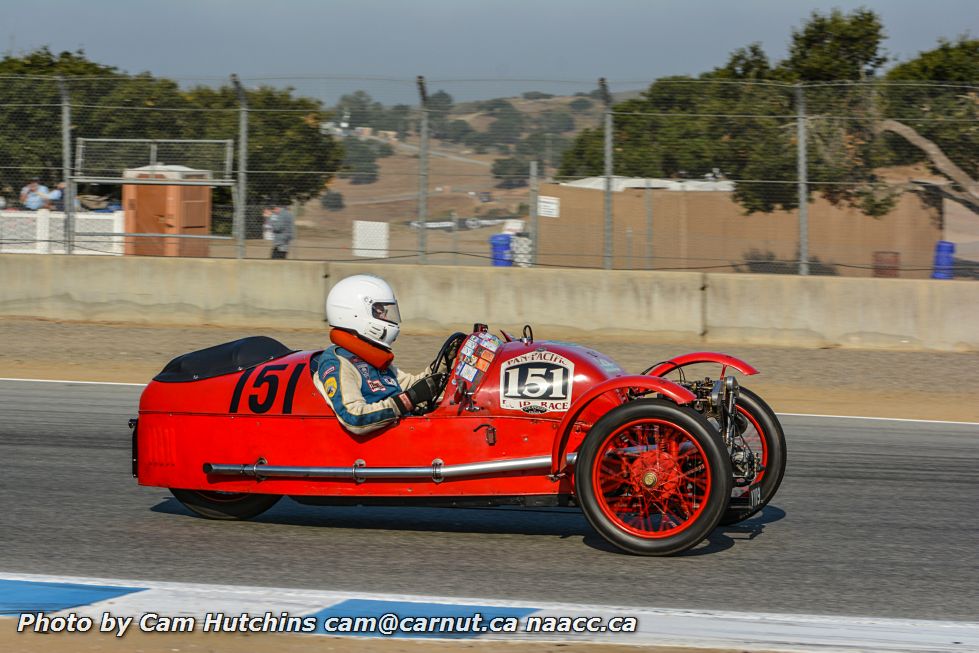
943, 260
500, 249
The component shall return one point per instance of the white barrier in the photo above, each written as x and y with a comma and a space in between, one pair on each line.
43, 232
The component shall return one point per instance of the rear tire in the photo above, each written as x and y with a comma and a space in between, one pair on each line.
763, 430
653, 478
225, 505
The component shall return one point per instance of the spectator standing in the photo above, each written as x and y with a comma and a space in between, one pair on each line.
34, 195
56, 198
283, 225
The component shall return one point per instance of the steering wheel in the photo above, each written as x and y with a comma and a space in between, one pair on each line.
447, 355
442, 365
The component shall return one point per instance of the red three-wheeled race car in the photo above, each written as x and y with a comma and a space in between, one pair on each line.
654, 464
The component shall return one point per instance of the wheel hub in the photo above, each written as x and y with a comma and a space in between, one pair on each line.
656, 473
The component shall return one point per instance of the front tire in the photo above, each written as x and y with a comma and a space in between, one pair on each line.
225, 505
653, 478
764, 435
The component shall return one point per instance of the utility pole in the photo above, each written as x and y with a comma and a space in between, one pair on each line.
423, 175
242, 186
607, 99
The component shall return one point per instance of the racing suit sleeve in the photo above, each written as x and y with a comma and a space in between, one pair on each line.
339, 382
406, 380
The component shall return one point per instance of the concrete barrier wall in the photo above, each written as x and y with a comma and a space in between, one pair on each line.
563, 302
147, 290
772, 309
821, 311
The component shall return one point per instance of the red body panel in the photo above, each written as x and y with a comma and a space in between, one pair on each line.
274, 412
703, 357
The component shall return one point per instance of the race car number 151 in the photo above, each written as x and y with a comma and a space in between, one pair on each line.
537, 382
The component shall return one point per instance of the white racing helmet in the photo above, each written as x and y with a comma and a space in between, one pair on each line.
366, 305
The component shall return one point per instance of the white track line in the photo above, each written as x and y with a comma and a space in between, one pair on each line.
69, 381
880, 419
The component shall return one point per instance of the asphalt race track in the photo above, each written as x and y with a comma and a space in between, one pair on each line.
874, 518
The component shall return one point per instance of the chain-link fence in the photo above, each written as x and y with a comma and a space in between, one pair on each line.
853, 179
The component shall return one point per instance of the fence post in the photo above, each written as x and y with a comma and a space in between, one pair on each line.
241, 189
423, 174
800, 104
532, 212
68, 194
648, 196
607, 98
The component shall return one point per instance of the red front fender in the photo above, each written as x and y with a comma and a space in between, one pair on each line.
675, 392
702, 357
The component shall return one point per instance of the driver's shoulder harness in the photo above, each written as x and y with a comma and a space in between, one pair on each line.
363, 397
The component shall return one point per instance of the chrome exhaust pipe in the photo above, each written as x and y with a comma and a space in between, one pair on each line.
437, 471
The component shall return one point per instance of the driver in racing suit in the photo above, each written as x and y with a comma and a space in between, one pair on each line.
355, 375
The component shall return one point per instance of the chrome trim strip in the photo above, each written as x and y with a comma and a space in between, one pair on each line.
435, 472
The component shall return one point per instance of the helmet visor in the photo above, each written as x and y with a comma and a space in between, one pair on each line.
387, 312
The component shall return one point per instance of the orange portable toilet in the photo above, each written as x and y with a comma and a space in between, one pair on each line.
167, 209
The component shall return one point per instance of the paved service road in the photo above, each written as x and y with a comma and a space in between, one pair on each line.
874, 518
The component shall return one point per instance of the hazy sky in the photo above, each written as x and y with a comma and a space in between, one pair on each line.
630, 42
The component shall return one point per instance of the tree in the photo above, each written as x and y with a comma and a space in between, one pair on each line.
580, 105
439, 105
556, 122
508, 125
361, 107
359, 161
332, 200
545, 148
284, 133
512, 172
739, 119
950, 145
836, 47
457, 131
398, 118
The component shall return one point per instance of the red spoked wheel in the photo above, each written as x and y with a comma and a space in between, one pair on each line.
764, 436
652, 477
225, 505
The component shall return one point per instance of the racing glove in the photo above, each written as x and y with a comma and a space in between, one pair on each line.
424, 391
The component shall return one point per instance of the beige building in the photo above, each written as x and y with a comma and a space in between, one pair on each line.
698, 225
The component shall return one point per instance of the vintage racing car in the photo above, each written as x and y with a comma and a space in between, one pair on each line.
654, 464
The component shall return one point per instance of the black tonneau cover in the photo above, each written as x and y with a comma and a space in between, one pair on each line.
222, 359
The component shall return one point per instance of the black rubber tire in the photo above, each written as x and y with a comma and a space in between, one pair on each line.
220, 505
774, 443
717, 458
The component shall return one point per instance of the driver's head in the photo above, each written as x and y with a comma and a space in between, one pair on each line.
366, 305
